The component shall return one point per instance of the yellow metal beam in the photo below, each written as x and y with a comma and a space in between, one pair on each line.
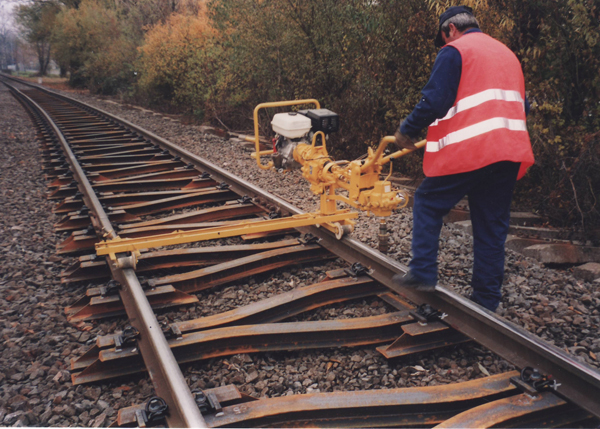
121, 245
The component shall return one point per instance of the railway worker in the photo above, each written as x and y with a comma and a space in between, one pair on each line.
477, 145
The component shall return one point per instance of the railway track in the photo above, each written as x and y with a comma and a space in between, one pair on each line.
113, 180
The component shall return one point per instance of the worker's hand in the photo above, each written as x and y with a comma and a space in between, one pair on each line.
404, 141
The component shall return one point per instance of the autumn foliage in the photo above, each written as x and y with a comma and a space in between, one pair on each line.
90, 40
365, 59
176, 63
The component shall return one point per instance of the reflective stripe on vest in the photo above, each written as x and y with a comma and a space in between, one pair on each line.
476, 130
486, 124
479, 98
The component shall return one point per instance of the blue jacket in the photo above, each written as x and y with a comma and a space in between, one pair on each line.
439, 93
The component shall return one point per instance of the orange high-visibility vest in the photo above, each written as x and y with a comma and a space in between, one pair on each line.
486, 124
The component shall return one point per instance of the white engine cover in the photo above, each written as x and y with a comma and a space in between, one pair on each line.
291, 125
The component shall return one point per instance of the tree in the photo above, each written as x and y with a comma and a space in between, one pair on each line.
37, 20
176, 62
366, 60
7, 40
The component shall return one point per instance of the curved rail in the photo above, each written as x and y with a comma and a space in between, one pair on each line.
164, 370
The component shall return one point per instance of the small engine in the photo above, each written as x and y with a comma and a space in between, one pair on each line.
293, 128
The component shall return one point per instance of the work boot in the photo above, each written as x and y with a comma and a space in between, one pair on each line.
491, 307
408, 280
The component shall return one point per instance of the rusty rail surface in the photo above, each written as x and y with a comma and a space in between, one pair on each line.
130, 173
467, 404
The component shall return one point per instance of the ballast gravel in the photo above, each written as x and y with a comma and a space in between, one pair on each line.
38, 342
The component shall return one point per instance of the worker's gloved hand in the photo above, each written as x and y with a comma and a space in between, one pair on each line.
404, 141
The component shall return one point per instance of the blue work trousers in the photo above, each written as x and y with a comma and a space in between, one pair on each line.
489, 191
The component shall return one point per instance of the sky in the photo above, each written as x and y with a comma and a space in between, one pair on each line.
7, 8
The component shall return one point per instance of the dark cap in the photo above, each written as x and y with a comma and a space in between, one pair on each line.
450, 12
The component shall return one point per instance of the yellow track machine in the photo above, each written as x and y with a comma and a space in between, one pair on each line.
355, 183
295, 146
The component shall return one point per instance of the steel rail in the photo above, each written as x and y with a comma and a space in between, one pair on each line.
500, 412
579, 382
162, 366
269, 310
227, 341
401, 407
87, 268
388, 408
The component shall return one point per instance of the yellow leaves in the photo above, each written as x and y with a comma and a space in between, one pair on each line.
439, 6
549, 107
169, 46
507, 23
176, 61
